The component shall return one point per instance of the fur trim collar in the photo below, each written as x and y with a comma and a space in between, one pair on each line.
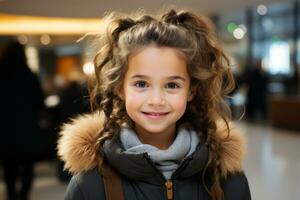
78, 149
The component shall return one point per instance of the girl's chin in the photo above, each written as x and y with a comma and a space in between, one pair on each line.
154, 130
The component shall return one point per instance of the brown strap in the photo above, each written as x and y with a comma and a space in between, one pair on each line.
112, 183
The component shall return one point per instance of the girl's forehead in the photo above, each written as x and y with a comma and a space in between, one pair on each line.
154, 53
149, 49
156, 61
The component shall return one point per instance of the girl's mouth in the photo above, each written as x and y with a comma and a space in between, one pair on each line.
155, 115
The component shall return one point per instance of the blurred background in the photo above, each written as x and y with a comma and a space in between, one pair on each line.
261, 37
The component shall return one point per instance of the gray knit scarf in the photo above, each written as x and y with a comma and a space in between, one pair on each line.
166, 161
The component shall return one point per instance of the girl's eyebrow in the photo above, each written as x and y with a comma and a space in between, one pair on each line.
176, 77
147, 77
139, 76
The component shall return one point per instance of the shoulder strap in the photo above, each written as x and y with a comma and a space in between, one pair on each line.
112, 183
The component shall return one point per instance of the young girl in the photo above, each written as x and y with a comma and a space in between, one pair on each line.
162, 124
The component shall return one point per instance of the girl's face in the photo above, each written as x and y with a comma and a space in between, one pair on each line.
156, 90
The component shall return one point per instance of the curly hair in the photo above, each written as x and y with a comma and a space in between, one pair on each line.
207, 66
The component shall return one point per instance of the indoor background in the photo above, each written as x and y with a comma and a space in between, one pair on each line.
261, 38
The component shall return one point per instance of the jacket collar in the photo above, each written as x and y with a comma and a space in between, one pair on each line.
78, 148
140, 166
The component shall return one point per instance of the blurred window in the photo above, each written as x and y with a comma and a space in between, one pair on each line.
273, 34
278, 58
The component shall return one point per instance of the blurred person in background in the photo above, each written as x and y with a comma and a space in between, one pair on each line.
256, 80
74, 100
21, 101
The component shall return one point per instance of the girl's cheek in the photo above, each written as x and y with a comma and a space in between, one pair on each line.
178, 102
134, 97
180, 98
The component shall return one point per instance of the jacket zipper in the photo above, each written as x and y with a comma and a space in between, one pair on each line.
169, 189
168, 183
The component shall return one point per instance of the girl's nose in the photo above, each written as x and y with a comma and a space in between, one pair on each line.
156, 98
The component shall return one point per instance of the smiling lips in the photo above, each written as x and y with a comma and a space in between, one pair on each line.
155, 115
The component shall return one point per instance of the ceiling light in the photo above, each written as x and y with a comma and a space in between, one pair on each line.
88, 68
238, 33
45, 39
243, 27
29, 25
231, 27
22, 39
262, 9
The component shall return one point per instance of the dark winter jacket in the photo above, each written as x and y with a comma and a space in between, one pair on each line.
140, 178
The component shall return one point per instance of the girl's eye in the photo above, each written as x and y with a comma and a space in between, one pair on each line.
141, 84
172, 85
